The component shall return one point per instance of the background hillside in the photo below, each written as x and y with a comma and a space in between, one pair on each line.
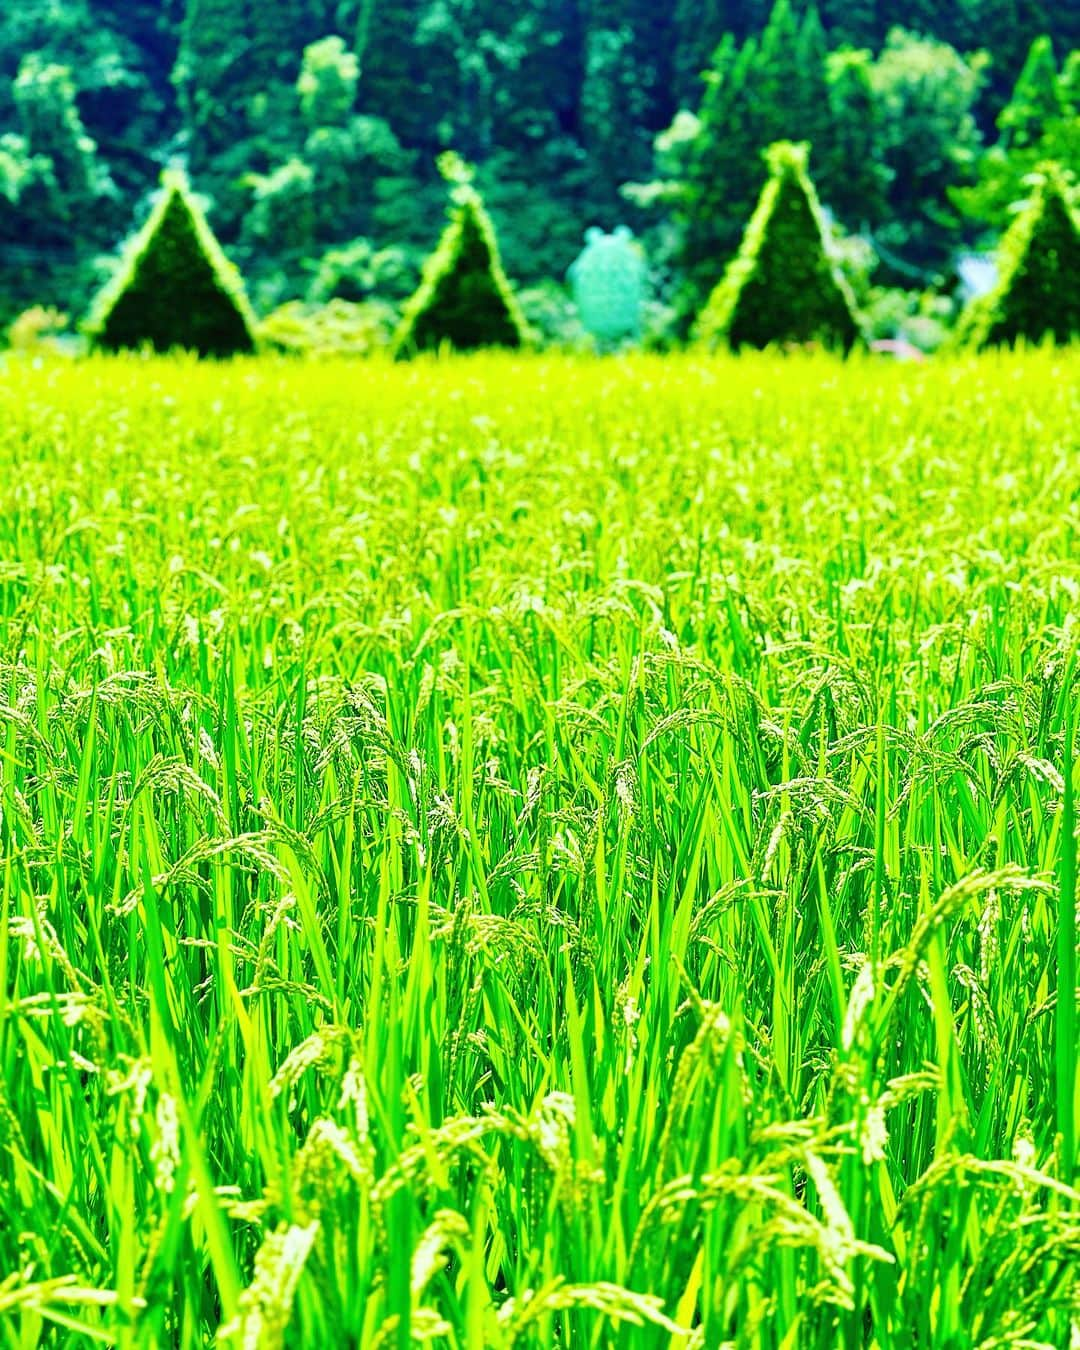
313, 129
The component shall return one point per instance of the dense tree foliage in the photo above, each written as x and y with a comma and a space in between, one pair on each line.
314, 126
770, 89
1041, 122
56, 194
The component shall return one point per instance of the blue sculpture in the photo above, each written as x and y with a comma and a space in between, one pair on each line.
608, 281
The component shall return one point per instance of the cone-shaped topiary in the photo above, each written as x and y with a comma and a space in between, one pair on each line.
1037, 294
781, 286
464, 298
174, 287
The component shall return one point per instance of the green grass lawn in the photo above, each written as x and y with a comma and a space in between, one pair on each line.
539, 853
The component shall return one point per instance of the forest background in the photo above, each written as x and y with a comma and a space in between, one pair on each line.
313, 130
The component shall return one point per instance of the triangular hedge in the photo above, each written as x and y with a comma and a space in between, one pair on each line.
782, 286
174, 287
464, 299
1037, 294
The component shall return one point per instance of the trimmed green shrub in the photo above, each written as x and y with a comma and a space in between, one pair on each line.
339, 328
552, 316
174, 287
1037, 294
464, 299
37, 329
782, 287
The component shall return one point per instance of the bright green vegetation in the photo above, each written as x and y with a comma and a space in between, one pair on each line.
313, 129
539, 853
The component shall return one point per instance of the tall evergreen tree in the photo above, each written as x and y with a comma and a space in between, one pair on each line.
613, 111
811, 93
649, 34
236, 66
212, 77
758, 94
1036, 124
500, 90
1005, 29
854, 179
656, 35
1036, 101
279, 31
778, 79
787, 89
628, 93
56, 197
717, 194
852, 23
566, 72
747, 18
1070, 84
700, 26
394, 82
125, 93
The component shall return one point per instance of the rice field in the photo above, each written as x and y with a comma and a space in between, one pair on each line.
534, 852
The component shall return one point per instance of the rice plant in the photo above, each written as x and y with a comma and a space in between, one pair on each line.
529, 852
